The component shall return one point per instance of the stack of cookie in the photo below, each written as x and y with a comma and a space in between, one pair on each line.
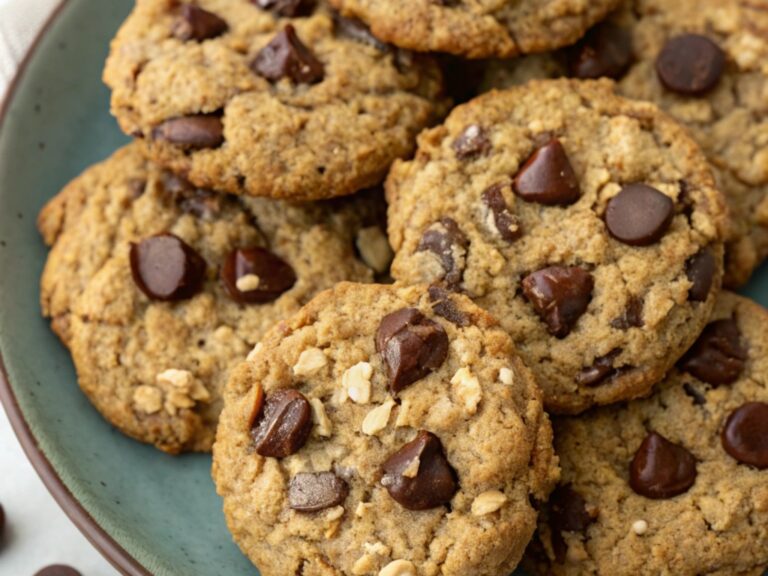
557, 243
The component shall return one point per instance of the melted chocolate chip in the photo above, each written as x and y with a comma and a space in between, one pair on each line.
286, 8
504, 222
471, 143
633, 315
446, 240
411, 345
698, 397
354, 29
287, 57
605, 51
661, 469
419, 476
256, 275
444, 307
601, 370
547, 177
193, 132
639, 215
559, 295
166, 268
745, 436
690, 64
283, 425
310, 492
567, 513
194, 23
701, 269
718, 356
57, 570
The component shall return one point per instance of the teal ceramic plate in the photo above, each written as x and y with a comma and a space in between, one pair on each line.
147, 512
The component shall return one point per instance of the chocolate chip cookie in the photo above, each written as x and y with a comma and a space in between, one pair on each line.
160, 287
383, 430
703, 62
676, 483
588, 224
278, 99
501, 28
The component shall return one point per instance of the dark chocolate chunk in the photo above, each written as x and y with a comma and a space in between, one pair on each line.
283, 425
745, 436
194, 132
446, 240
503, 220
287, 57
256, 275
194, 23
559, 295
639, 215
547, 177
444, 307
661, 469
690, 64
718, 356
310, 492
165, 267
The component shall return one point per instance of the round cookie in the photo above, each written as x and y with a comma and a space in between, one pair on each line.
155, 323
383, 430
726, 114
238, 98
676, 483
587, 223
501, 28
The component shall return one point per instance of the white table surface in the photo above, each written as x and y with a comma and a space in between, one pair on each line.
37, 532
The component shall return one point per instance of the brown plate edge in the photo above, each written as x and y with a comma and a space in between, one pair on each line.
103, 542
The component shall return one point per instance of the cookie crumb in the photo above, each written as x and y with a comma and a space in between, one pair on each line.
323, 424
310, 362
357, 382
248, 282
488, 502
378, 418
148, 399
640, 527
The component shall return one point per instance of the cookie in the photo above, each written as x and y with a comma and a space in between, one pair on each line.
383, 430
237, 96
587, 223
676, 483
503, 28
719, 95
163, 287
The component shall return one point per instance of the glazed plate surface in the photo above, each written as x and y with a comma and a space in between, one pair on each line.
148, 512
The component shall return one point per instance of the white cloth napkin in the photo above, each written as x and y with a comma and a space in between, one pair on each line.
37, 532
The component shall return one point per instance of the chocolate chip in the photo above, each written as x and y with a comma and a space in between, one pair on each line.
472, 142
199, 202
567, 513
287, 57
354, 29
193, 132
286, 8
446, 240
560, 295
601, 370
700, 269
256, 275
194, 23
639, 215
633, 315
310, 492
690, 64
606, 50
166, 268
284, 424
745, 436
419, 476
444, 307
698, 397
411, 345
661, 469
57, 570
718, 356
502, 220
547, 177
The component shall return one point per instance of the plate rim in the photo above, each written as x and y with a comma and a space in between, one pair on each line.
112, 551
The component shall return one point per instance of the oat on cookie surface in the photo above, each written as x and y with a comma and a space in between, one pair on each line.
587, 223
676, 483
287, 101
163, 287
431, 473
657, 43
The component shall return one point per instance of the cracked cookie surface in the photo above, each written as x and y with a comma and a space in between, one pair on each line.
728, 119
301, 108
710, 407
401, 468
588, 224
501, 28
153, 355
